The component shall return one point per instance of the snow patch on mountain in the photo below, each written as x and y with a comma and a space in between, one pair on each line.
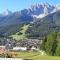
39, 16
6, 12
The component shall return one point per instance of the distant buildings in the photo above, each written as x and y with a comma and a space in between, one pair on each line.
21, 45
19, 48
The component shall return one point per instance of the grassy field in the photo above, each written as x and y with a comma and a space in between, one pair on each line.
45, 58
26, 54
21, 36
35, 56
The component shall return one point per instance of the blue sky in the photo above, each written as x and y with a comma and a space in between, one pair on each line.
16, 5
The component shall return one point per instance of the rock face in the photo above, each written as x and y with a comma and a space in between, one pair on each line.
41, 8
44, 26
6, 12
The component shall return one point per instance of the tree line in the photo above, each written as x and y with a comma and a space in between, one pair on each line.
51, 44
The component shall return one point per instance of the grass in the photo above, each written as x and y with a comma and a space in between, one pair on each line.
45, 58
21, 36
26, 54
35, 56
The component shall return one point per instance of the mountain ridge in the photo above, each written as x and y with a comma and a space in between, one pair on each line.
10, 22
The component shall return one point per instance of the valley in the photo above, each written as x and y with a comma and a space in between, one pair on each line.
32, 33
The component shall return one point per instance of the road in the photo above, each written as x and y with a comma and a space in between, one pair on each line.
11, 59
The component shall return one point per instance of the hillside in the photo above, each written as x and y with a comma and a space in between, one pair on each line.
21, 34
40, 27
10, 22
41, 18
44, 26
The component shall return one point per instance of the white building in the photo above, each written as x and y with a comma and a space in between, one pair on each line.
20, 48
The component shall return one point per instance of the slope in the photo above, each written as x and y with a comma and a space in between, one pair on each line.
21, 34
44, 26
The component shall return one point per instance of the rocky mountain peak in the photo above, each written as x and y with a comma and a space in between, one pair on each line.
7, 12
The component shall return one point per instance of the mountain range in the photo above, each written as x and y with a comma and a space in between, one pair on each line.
44, 17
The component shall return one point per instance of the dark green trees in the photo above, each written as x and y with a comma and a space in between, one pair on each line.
58, 45
50, 44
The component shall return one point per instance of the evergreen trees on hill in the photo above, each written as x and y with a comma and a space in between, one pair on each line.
51, 44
